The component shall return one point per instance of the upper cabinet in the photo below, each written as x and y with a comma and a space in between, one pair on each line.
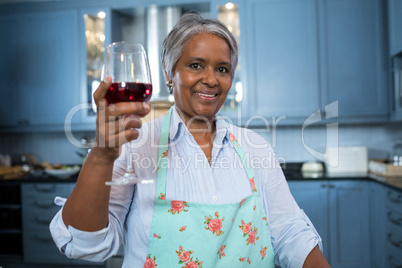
94, 36
395, 26
10, 26
304, 55
232, 15
353, 57
296, 57
40, 62
282, 54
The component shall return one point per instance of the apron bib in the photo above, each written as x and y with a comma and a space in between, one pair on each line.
189, 234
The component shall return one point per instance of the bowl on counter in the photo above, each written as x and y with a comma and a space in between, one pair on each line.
63, 173
312, 169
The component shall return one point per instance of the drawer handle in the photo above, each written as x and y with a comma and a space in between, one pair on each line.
44, 205
397, 199
42, 221
396, 221
45, 188
392, 263
397, 244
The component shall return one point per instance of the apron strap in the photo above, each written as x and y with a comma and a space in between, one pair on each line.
163, 161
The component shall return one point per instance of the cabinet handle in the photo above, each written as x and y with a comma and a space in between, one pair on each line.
392, 263
394, 220
42, 221
45, 188
397, 244
43, 205
331, 186
394, 199
323, 185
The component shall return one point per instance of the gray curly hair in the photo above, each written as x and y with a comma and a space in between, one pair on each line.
189, 25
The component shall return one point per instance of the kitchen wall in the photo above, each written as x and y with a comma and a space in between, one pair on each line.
286, 141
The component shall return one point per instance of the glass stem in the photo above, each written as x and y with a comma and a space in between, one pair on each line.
129, 161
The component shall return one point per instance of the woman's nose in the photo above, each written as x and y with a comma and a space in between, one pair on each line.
210, 78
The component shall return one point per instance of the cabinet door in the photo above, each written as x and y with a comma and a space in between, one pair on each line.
377, 195
312, 197
353, 56
49, 64
9, 66
38, 209
95, 35
349, 228
395, 26
282, 58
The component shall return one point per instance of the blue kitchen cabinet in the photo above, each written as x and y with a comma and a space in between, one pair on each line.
38, 209
304, 55
377, 197
339, 211
48, 77
392, 235
349, 232
395, 26
353, 57
282, 58
312, 198
93, 31
10, 27
39, 68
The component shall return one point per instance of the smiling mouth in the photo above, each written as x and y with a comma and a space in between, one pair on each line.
206, 95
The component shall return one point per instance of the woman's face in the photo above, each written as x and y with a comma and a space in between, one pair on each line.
202, 76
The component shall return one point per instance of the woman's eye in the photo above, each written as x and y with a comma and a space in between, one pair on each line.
223, 70
195, 65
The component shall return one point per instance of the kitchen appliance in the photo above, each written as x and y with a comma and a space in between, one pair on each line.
312, 169
348, 159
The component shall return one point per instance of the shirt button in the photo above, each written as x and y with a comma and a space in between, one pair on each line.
214, 198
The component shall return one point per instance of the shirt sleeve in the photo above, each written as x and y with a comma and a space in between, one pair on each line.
102, 244
293, 235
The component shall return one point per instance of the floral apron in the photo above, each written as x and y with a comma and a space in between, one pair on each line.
186, 234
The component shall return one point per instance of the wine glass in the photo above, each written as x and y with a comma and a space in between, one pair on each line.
127, 64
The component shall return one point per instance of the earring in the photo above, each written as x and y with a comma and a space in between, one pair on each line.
170, 86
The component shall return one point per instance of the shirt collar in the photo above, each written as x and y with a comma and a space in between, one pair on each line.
178, 128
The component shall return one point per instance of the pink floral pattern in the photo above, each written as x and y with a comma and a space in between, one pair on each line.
161, 196
150, 262
220, 252
265, 219
242, 259
183, 228
165, 153
263, 252
253, 185
242, 201
186, 258
231, 137
177, 207
157, 236
214, 225
249, 232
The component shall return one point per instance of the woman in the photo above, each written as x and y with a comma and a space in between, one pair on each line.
209, 206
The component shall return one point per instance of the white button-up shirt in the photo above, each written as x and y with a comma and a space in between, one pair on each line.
192, 178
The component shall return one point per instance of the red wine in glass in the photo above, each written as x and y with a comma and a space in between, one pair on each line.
129, 91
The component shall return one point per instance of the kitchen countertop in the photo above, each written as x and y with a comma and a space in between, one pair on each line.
292, 172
